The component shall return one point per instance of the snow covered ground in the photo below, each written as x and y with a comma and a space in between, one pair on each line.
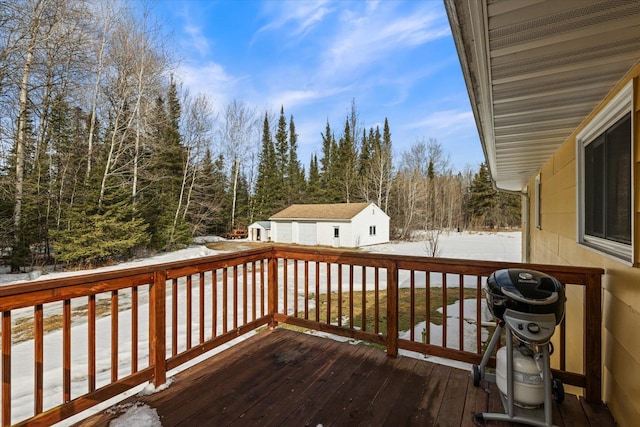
504, 246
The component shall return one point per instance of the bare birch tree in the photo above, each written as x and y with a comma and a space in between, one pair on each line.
239, 137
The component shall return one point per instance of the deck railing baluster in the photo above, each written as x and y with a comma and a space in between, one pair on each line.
412, 304
254, 288
201, 282
235, 297
328, 281
306, 289
189, 311
66, 350
461, 312
444, 310
134, 329
376, 282
174, 317
225, 298
479, 315
6, 368
38, 339
214, 303
351, 296
363, 323
317, 296
91, 339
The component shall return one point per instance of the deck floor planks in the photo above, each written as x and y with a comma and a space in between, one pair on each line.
363, 380
403, 412
598, 415
355, 394
237, 377
429, 406
272, 393
477, 401
390, 393
253, 379
455, 393
281, 377
303, 394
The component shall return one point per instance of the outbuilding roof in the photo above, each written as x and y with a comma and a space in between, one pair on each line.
343, 211
264, 224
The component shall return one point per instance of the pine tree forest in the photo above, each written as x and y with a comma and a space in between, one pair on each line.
104, 155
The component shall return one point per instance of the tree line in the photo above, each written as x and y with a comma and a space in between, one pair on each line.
103, 154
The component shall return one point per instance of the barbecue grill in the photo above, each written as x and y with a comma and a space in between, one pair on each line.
528, 305
525, 291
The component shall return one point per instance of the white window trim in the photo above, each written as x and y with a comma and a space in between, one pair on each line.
537, 203
620, 105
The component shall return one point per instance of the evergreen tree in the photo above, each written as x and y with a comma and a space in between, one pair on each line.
346, 166
164, 177
296, 179
268, 176
489, 208
95, 236
364, 159
329, 179
282, 149
481, 198
314, 193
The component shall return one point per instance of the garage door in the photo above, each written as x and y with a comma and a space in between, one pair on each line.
284, 232
308, 234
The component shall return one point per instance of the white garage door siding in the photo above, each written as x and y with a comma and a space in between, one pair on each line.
307, 233
283, 232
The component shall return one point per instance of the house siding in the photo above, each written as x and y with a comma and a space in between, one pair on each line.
555, 243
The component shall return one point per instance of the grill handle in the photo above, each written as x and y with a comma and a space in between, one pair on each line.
549, 300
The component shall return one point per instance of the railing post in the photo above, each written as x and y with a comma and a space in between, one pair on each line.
157, 327
272, 283
593, 338
392, 309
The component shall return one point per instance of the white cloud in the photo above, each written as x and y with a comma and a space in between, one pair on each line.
197, 39
366, 37
212, 80
299, 17
293, 98
440, 120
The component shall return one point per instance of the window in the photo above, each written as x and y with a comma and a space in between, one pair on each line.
372, 230
336, 232
605, 185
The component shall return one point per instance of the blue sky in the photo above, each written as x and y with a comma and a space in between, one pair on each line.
397, 59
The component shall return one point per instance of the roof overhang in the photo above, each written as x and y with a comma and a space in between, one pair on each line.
535, 69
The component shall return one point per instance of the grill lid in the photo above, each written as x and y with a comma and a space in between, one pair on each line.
526, 291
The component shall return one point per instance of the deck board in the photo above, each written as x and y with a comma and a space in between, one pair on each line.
282, 377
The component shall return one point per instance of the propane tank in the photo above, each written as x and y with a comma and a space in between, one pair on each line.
528, 385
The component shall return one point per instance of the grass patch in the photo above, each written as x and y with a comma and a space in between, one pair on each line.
405, 322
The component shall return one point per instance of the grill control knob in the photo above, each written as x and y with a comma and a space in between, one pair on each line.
534, 328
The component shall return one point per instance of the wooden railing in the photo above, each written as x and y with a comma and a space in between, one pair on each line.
99, 335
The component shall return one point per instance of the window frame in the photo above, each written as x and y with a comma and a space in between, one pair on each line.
372, 230
619, 106
538, 199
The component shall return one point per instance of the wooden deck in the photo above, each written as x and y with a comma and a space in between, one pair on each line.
281, 377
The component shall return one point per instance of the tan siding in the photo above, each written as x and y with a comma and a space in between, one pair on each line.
556, 244
624, 386
574, 314
562, 157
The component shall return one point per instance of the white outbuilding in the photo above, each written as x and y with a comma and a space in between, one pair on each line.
260, 231
347, 225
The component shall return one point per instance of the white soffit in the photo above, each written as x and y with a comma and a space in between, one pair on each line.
535, 69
